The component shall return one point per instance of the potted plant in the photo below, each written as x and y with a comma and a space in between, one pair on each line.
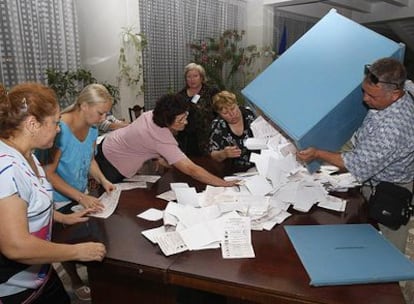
228, 64
130, 57
68, 84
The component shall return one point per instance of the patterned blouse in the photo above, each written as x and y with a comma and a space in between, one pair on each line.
222, 136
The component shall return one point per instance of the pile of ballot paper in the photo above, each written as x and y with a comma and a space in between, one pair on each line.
224, 217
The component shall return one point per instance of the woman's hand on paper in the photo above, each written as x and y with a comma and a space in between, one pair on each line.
91, 202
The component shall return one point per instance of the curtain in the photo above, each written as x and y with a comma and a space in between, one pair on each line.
289, 27
170, 26
36, 35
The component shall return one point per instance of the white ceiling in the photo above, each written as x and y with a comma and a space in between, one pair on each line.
393, 18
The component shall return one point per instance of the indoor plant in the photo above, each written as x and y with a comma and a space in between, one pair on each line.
68, 84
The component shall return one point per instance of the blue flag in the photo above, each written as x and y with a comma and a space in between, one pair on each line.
283, 41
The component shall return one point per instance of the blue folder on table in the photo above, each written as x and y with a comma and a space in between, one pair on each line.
313, 91
348, 254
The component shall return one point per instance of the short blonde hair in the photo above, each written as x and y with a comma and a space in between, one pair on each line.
223, 99
194, 66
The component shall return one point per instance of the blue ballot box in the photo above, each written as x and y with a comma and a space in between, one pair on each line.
313, 91
348, 254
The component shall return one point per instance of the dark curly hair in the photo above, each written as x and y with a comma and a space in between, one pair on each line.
167, 108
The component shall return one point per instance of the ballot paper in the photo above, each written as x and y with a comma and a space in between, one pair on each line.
253, 143
143, 178
250, 172
287, 193
262, 129
278, 219
261, 162
216, 195
178, 185
333, 203
307, 195
328, 169
153, 233
171, 243
287, 148
131, 185
200, 235
170, 220
336, 182
167, 196
151, 214
276, 172
258, 185
274, 142
190, 216
110, 201
187, 196
236, 242
269, 219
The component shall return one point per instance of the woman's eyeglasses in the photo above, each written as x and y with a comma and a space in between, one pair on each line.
374, 78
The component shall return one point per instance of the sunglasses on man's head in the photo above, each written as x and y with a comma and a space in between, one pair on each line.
374, 78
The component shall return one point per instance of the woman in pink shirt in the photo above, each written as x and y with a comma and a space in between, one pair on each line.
124, 151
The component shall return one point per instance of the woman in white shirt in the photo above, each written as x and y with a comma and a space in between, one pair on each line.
29, 116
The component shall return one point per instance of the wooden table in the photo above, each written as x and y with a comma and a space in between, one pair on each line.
136, 271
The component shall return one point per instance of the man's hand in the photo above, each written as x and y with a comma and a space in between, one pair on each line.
307, 155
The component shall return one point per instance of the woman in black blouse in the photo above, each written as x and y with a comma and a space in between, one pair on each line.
193, 140
229, 131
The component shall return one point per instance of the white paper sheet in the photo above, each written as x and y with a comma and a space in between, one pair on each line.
151, 214
187, 196
143, 178
171, 243
131, 185
258, 185
261, 128
236, 242
153, 233
110, 201
167, 196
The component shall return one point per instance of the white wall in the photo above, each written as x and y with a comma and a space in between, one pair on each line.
100, 23
259, 30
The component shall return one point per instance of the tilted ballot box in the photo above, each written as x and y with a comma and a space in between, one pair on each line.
313, 91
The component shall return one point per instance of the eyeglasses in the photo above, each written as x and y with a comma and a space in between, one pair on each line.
374, 78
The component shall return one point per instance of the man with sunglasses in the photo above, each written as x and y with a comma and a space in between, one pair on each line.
383, 147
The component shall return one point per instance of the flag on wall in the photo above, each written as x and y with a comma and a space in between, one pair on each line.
283, 41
